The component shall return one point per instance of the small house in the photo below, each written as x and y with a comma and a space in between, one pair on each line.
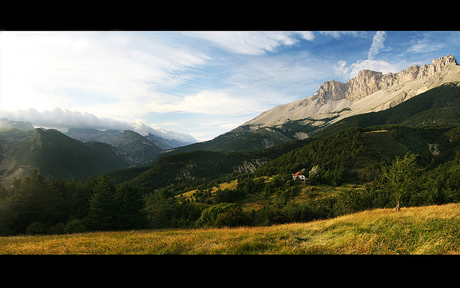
298, 175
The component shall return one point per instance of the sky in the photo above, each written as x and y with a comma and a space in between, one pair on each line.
189, 85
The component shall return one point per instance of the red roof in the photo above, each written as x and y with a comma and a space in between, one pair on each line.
297, 174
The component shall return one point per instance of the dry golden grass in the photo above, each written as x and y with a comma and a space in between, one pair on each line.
222, 186
417, 230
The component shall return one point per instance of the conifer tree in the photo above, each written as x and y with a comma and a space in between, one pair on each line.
102, 207
130, 203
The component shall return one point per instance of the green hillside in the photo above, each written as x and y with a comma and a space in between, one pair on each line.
199, 166
58, 155
437, 106
240, 139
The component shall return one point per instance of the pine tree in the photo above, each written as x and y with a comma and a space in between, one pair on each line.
130, 203
102, 207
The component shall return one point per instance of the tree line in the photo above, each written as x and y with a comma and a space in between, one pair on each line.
34, 205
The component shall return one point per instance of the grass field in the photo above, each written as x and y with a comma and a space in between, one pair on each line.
222, 186
417, 230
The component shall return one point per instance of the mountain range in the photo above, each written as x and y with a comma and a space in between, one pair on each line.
79, 153
369, 91
113, 136
370, 98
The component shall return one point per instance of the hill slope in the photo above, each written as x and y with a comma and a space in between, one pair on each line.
58, 155
438, 106
416, 230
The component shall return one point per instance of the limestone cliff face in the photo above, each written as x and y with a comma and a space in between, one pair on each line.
368, 82
369, 91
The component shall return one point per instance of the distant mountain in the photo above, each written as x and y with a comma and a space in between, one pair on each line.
57, 155
6, 124
166, 143
111, 137
134, 147
91, 134
368, 92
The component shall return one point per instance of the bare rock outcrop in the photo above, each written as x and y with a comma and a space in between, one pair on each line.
369, 91
368, 82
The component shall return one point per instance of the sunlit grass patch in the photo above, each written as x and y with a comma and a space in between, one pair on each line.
416, 230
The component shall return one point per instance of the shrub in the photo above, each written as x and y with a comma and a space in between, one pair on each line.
233, 218
75, 226
270, 216
36, 228
57, 229
209, 215
314, 176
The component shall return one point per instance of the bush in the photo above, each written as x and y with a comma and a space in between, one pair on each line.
270, 216
233, 218
36, 228
57, 229
314, 176
209, 215
75, 226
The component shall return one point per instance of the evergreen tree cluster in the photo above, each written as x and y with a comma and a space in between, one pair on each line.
36, 206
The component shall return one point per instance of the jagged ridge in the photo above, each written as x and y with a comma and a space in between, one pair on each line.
334, 95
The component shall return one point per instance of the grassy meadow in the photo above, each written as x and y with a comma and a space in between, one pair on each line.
416, 230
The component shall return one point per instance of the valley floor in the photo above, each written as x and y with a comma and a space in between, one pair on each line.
415, 230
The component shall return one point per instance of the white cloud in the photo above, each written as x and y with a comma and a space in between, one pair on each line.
339, 34
277, 79
340, 69
62, 119
252, 42
374, 65
140, 127
212, 103
377, 44
306, 35
424, 45
44, 69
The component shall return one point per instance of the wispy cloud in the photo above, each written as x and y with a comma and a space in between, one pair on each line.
424, 45
252, 43
377, 44
211, 103
339, 34
340, 68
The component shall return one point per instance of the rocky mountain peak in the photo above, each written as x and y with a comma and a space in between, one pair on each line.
368, 82
444, 60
